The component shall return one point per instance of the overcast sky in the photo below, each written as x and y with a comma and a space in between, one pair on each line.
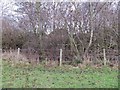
8, 5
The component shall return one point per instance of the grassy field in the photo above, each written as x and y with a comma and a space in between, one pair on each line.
59, 77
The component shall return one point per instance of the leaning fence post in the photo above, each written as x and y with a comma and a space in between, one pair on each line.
60, 57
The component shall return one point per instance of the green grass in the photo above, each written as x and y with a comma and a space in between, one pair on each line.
59, 77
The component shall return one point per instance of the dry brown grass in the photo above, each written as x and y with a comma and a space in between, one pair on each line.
13, 57
51, 63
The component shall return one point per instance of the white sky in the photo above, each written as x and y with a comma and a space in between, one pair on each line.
9, 4
7, 1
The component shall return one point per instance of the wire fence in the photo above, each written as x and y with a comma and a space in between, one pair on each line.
66, 55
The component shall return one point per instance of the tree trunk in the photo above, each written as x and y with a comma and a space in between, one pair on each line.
91, 31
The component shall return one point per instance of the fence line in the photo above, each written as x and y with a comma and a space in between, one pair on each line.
63, 55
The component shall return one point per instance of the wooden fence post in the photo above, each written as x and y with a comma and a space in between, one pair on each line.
18, 53
46, 61
104, 54
10, 50
60, 57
